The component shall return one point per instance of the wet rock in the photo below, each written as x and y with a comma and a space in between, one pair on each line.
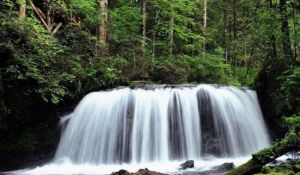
146, 171
121, 172
142, 172
187, 164
224, 167
288, 158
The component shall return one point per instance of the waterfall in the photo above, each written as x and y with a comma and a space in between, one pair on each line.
162, 124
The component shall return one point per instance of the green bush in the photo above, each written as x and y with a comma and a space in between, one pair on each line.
184, 69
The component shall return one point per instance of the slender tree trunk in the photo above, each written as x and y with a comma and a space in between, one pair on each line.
285, 39
249, 63
204, 25
144, 28
134, 61
46, 19
48, 15
103, 31
234, 38
22, 9
225, 31
22, 13
295, 26
154, 40
171, 34
272, 51
153, 48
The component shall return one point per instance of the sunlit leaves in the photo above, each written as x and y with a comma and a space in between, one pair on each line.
88, 11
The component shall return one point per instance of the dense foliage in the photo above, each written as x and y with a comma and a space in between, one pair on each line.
52, 52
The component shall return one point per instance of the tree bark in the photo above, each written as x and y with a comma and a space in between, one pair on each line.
225, 31
103, 31
171, 34
285, 39
204, 25
144, 28
295, 28
22, 9
272, 53
234, 37
47, 20
22, 13
48, 15
154, 35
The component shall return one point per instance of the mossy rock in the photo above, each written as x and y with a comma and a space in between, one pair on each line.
297, 167
251, 167
286, 166
266, 169
284, 169
278, 173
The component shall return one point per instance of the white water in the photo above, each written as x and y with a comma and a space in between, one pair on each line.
159, 129
66, 167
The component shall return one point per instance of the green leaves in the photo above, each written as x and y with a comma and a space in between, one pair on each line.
183, 68
46, 66
88, 10
293, 122
123, 31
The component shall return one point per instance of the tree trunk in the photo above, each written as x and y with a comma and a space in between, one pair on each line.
234, 38
285, 39
225, 31
154, 39
249, 64
22, 9
48, 15
22, 12
295, 28
46, 19
272, 53
204, 25
171, 34
103, 31
144, 17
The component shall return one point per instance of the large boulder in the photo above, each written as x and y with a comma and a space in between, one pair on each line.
121, 172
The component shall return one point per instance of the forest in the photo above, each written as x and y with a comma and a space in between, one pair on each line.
54, 52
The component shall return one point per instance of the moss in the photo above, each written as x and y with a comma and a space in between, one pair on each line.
266, 169
284, 169
278, 173
297, 167
286, 166
250, 167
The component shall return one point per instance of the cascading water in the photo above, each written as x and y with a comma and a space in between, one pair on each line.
158, 128
163, 124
